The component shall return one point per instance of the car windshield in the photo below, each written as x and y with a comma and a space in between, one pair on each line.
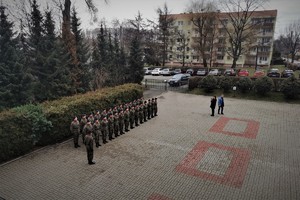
177, 76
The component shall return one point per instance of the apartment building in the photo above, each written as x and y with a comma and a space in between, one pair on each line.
257, 52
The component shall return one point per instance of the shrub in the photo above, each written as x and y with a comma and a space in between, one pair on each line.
209, 83
291, 88
263, 85
226, 83
244, 84
49, 122
194, 82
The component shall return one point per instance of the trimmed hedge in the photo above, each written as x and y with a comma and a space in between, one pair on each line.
25, 127
263, 85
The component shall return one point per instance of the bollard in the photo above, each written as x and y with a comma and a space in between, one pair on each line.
166, 82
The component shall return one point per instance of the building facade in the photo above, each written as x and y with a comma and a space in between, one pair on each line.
182, 49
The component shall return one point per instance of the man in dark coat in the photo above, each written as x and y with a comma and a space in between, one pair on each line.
213, 103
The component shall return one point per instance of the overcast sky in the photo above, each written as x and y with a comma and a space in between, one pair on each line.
288, 10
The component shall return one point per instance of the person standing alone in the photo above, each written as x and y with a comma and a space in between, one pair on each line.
221, 104
213, 103
89, 144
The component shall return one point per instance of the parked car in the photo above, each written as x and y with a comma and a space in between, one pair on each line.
156, 72
215, 72
229, 72
167, 72
177, 71
287, 73
273, 73
148, 70
178, 80
202, 72
259, 73
190, 71
243, 72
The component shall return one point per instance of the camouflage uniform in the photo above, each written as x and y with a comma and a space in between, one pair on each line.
103, 114
145, 111
126, 119
83, 122
110, 127
121, 122
131, 118
97, 132
116, 125
152, 110
141, 114
149, 108
75, 130
87, 128
97, 116
104, 129
89, 144
136, 115
91, 119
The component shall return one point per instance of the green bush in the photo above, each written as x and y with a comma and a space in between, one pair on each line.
244, 84
209, 83
291, 88
23, 127
263, 85
226, 83
194, 82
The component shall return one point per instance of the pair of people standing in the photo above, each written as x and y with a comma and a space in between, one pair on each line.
213, 103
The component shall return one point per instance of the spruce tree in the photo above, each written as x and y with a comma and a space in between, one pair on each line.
136, 61
10, 68
83, 71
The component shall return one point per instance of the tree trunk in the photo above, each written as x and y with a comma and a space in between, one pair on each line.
234, 63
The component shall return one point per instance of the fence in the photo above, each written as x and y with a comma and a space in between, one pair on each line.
162, 85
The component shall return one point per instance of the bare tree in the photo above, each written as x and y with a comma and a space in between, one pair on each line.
239, 26
290, 40
165, 28
182, 44
204, 18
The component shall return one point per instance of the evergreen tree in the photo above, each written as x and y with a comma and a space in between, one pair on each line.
11, 70
102, 47
136, 61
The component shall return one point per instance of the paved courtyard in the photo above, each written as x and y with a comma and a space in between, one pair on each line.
251, 152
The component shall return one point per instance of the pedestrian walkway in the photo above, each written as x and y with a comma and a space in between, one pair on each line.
250, 152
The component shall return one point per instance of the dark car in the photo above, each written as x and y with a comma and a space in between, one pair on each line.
229, 72
178, 80
287, 73
273, 73
202, 72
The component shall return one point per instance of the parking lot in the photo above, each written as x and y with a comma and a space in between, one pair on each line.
251, 152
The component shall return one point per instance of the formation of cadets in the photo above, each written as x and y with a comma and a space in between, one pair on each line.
111, 123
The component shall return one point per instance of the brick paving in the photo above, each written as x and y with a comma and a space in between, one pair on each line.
251, 152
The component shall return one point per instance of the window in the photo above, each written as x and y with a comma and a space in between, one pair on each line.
266, 40
170, 56
220, 49
188, 49
179, 39
189, 23
178, 48
264, 49
179, 56
195, 57
221, 41
268, 20
228, 58
220, 57
187, 57
263, 58
180, 23
171, 48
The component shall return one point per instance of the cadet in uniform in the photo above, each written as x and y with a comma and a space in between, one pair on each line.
126, 119
152, 109
121, 122
149, 108
141, 113
75, 129
97, 132
91, 118
145, 110
83, 122
103, 114
116, 124
155, 107
89, 144
131, 117
110, 127
136, 116
87, 128
97, 116
104, 129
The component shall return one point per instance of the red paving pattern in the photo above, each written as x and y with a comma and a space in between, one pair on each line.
158, 197
234, 175
250, 131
